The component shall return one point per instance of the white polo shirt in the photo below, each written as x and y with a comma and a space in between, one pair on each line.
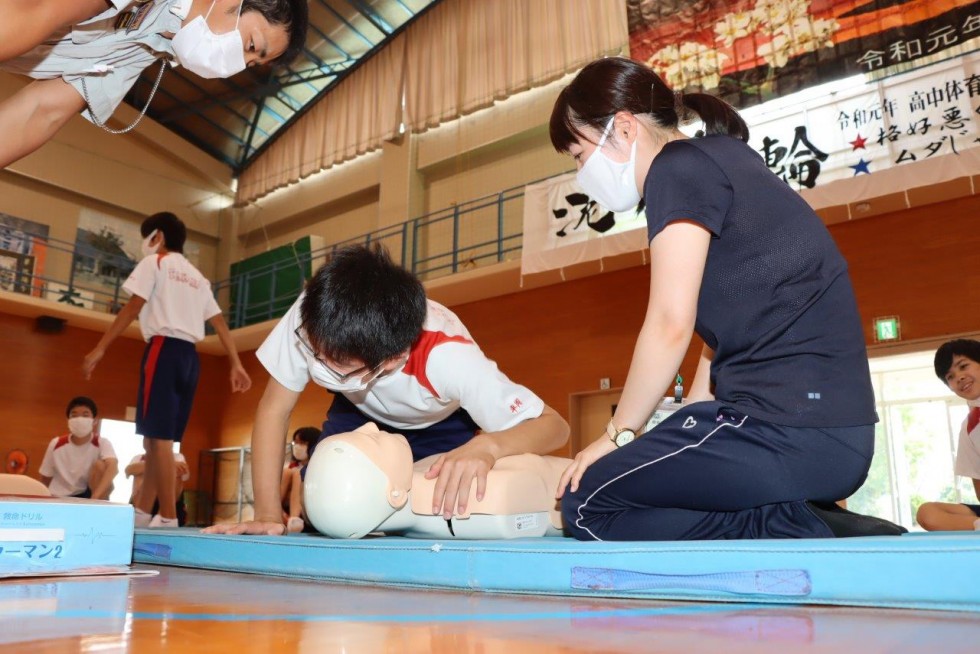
178, 297
107, 58
445, 371
968, 449
69, 464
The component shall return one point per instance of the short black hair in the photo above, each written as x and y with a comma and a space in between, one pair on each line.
173, 229
308, 435
362, 305
963, 347
291, 14
81, 400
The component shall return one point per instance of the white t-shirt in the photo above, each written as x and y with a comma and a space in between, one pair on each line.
68, 464
968, 450
178, 458
446, 371
178, 297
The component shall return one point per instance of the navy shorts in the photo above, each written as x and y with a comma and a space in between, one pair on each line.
168, 380
445, 435
975, 508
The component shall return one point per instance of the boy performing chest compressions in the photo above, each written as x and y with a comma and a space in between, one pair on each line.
364, 330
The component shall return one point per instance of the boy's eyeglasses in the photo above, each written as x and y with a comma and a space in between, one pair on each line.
366, 374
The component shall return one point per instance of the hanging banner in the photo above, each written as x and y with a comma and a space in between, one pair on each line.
838, 143
751, 51
872, 139
564, 226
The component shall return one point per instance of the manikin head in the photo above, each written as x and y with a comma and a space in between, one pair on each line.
356, 481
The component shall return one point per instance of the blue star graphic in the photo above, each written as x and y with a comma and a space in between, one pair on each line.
861, 167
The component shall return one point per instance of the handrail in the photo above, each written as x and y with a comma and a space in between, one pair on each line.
432, 245
409, 245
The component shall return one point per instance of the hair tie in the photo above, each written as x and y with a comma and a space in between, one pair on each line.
679, 107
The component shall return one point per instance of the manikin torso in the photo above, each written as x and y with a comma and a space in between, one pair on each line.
364, 481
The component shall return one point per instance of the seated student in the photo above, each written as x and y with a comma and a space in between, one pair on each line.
365, 481
136, 468
957, 363
90, 66
291, 486
364, 330
80, 463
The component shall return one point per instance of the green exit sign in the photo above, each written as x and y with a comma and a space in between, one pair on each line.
887, 329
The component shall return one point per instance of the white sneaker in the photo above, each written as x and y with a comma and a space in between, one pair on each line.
141, 519
159, 522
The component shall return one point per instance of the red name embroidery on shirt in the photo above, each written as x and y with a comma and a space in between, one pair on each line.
418, 357
183, 278
516, 405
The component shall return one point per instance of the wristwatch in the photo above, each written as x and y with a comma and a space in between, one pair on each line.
620, 435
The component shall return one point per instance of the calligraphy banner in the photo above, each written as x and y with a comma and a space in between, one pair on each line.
750, 51
564, 226
909, 130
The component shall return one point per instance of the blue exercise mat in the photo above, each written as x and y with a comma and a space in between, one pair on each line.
936, 571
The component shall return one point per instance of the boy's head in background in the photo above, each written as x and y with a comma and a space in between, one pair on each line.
957, 363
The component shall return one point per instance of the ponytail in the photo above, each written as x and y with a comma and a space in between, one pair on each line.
614, 84
718, 116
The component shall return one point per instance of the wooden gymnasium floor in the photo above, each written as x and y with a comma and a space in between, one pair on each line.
182, 610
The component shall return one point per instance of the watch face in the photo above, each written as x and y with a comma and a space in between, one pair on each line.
624, 437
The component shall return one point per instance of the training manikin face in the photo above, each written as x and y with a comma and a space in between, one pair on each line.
355, 481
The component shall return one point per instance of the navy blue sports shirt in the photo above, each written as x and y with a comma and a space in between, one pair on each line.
776, 303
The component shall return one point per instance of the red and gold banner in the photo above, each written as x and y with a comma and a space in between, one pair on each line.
753, 50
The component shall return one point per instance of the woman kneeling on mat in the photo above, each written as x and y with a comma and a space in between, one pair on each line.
786, 424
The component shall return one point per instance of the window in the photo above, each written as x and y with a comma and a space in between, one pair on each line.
128, 445
915, 441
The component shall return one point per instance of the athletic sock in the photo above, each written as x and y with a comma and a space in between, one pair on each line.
159, 522
141, 519
847, 524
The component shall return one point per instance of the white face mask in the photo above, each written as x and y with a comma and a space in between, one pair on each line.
328, 381
207, 54
146, 248
299, 451
80, 426
610, 183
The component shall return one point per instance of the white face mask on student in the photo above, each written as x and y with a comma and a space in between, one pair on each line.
80, 426
353, 385
299, 452
610, 183
207, 54
146, 248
